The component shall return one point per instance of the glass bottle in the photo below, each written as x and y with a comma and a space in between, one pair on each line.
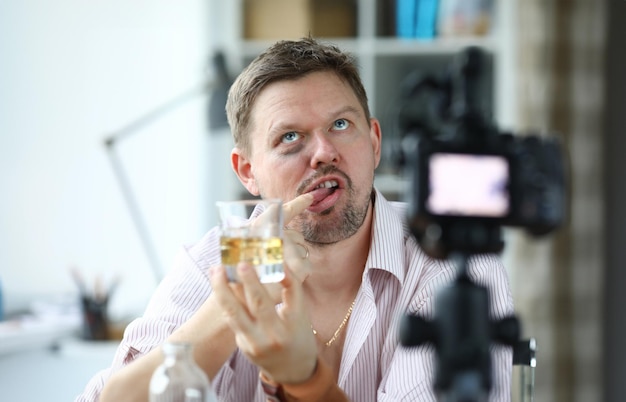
179, 378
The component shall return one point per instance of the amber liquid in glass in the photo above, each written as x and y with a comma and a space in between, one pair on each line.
265, 254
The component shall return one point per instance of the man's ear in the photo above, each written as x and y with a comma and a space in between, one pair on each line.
243, 168
376, 137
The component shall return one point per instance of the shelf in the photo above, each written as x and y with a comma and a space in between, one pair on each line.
251, 48
416, 47
386, 46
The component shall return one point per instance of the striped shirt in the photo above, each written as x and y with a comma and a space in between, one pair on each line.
398, 278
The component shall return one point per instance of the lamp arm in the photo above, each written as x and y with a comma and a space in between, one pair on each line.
158, 112
132, 204
135, 212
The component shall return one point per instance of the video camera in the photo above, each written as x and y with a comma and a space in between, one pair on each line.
468, 179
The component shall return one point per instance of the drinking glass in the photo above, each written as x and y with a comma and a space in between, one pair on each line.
251, 231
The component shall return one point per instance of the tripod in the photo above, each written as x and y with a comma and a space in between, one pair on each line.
461, 333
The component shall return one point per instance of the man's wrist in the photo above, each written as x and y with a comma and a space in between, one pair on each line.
271, 389
274, 391
321, 386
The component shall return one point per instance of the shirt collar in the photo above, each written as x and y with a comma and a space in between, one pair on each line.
389, 233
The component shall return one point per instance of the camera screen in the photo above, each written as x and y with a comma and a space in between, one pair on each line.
468, 185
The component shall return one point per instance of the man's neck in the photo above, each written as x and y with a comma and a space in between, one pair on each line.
338, 268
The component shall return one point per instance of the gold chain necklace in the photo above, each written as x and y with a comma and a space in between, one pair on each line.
338, 331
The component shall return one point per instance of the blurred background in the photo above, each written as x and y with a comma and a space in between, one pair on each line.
82, 217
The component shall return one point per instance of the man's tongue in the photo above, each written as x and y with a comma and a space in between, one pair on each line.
321, 193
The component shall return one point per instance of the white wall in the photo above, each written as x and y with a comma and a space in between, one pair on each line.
71, 72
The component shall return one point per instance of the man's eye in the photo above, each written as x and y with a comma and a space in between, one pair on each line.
341, 124
290, 137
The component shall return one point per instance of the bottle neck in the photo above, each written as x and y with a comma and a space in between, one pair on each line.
175, 352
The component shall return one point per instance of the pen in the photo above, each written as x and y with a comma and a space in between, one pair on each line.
79, 281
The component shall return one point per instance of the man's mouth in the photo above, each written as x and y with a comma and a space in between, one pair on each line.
327, 184
323, 190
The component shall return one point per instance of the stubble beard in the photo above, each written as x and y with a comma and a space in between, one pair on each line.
327, 228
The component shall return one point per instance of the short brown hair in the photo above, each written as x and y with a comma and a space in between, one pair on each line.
287, 60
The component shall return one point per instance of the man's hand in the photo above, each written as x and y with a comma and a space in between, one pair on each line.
279, 341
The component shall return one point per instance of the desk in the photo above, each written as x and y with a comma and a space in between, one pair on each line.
25, 334
52, 374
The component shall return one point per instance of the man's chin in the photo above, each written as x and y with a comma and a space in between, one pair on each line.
325, 235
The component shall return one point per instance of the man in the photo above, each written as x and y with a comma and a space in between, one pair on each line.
303, 133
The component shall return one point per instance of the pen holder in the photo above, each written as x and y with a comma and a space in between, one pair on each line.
95, 319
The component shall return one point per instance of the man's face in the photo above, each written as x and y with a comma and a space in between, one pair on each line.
311, 135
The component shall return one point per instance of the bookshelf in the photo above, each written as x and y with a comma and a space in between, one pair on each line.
385, 59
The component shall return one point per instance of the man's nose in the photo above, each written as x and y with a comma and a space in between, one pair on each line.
324, 150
